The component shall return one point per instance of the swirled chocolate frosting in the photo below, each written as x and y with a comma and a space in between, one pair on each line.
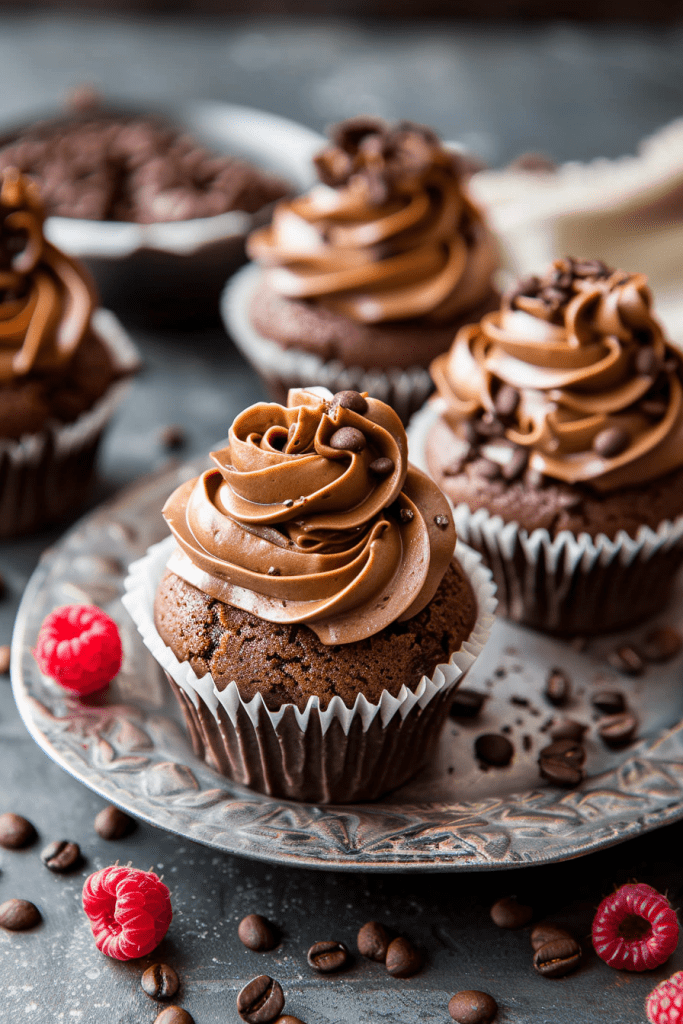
313, 515
573, 376
46, 298
390, 234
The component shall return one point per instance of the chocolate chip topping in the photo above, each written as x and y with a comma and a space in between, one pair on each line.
381, 467
348, 439
352, 400
610, 442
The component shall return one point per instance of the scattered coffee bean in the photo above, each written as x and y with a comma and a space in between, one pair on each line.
546, 932
61, 855
516, 465
373, 941
647, 362
508, 913
172, 437
567, 751
610, 442
406, 515
256, 933
618, 730
626, 659
328, 956
403, 960
4, 658
348, 439
558, 687
558, 957
15, 831
467, 703
442, 522
472, 1007
381, 467
567, 729
506, 401
560, 773
610, 702
494, 749
18, 915
261, 1001
113, 823
352, 400
661, 644
174, 1015
160, 981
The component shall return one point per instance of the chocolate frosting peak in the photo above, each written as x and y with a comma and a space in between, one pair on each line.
390, 234
46, 299
313, 515
574, 370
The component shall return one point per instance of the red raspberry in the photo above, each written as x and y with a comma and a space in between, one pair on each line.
79, 647
664, 1005
635, 929
129, 911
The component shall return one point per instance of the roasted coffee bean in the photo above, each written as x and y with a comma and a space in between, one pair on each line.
174, 1015
472, 1007
618, 730
516, 465
348, 439
626, 659
546, 932
442, 522
172, 437
506, 401
558, 687
558, 957
568, 751
381, 467
373, 941
352, 400
567, 729
610, 702
661, 644
560, 773
4, 656
508, 913
494, 749
113, 823
18, 915
261, 1001
160, 981
15, 831
328, 956
403, 960
61, 855
256, 933
610, 442
468, 703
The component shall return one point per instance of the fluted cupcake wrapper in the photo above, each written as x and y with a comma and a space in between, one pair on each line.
566, 584
284, 368
46, 475
335, 755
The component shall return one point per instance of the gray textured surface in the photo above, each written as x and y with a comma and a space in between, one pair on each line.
571, 91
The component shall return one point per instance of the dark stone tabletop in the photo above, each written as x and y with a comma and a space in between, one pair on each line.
565, 90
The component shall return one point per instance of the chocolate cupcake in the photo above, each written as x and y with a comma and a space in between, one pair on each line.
559, 440
61, 368
364, 279
309, 611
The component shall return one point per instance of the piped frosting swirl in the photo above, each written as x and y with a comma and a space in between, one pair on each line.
46, 298
573, 371
390, 234
313, 515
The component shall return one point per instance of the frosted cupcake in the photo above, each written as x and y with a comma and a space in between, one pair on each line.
311, 617
364, 279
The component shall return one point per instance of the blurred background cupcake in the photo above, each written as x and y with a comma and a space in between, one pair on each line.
62, 366
362, 281
558, 438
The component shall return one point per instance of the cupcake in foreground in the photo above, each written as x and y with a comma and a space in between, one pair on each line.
61, 364
560, 441
365, 278
311, 617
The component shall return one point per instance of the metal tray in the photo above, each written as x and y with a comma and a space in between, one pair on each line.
128, 744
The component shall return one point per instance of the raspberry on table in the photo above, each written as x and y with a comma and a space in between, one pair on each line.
79, 646
129, 911
664, 1005
635, 929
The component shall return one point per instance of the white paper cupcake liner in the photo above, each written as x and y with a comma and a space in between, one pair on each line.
44, 476
566, 584
259, 741
285, 368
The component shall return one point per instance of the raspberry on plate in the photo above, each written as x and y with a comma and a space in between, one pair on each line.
635, 929
664, 1005
79, 646
129, 911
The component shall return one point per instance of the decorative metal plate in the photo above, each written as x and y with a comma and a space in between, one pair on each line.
129, 745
